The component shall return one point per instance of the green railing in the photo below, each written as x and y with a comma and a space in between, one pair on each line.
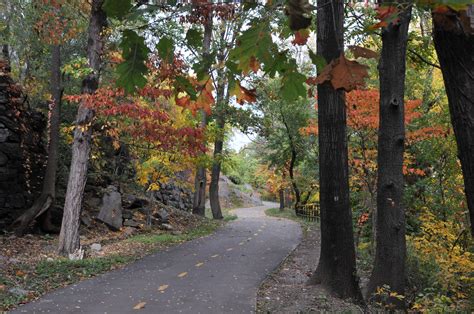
310, 212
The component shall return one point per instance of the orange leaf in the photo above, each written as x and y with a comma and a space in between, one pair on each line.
243, 94
301, 37
343, 74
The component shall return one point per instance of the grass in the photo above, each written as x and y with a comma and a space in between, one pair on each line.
167, 239
290, 214
48, 275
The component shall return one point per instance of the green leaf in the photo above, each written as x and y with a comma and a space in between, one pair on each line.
293, 86
117, 8
317, 60
194, 38
166, 49
133, 70
254, 42
183, 83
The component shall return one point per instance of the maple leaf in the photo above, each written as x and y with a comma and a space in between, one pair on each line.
243, 94
386, 14
205, 98
301, 37
362, 52
343, 74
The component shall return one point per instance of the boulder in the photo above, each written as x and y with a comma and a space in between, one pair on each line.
162, 215
96, 247
111, 209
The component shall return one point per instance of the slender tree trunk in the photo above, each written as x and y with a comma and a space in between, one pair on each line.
69, 237
294, 155
281, 194
337, 267
296, 190
216, 168
454, 45
390, 251
200, 180
41, 206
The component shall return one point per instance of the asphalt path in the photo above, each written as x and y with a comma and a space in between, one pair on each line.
216, 274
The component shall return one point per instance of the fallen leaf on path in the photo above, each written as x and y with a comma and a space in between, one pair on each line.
183, 274
163, 288
216, 255
199, 264
139, 306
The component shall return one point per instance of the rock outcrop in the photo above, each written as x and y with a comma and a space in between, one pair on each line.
22, 151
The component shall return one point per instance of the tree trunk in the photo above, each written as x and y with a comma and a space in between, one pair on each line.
216, 168
41, 206
296, 190
69, 237
281, 194
200, 180
390, 250
337, 267
455, 48
291, 168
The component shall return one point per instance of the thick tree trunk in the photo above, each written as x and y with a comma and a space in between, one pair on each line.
41, 206
69, 237
200, 180
337, 267
390, 251
455, 48
216, 169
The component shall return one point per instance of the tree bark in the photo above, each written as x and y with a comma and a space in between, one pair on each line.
455, 48
390, 250
281, 194
200, 180
41, 207
69, 236
337, 267
216, 168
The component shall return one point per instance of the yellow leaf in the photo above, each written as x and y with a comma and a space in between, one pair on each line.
163, 288
183, 274
199, 264
139, 306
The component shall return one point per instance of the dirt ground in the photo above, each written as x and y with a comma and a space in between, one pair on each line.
286, 289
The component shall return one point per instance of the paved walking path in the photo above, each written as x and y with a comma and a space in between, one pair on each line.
216, 274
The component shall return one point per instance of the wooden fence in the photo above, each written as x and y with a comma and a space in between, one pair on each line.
310, 212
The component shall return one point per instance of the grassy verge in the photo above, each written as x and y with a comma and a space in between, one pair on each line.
166, 238
290, 214
52, 274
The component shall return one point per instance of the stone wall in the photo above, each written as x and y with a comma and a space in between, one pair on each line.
22, 153
175, 196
